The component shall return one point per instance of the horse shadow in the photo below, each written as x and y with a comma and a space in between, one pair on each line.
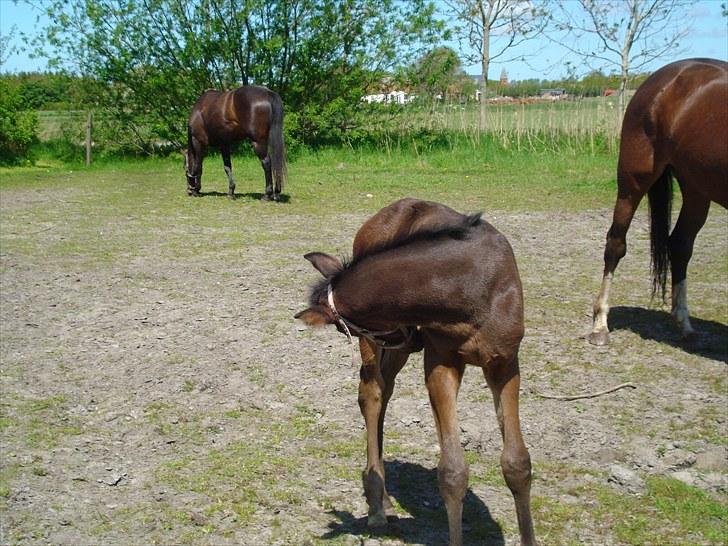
711, 340
250, 196
415, 489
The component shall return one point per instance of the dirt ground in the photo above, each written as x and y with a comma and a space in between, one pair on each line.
166, 399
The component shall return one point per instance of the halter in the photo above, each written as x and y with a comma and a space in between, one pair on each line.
372, 335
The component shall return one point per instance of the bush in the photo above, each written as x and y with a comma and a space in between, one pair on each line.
18, 127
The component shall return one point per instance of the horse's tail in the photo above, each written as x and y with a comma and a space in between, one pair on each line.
277, 148
660, 201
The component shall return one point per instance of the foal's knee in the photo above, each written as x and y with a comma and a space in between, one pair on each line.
517, 470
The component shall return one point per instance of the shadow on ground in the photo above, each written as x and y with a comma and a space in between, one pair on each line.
711, 340
250, 196
415, 489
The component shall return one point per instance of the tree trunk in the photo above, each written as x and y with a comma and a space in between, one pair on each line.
484, 65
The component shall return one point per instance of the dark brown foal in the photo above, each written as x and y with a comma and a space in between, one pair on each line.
675, 125
423, 275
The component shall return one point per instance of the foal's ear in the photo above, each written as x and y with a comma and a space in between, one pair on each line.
327, 265
313, 316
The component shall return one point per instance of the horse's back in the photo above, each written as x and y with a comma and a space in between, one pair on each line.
678, 118
224, 116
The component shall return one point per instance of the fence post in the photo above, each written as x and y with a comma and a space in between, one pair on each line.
89, 125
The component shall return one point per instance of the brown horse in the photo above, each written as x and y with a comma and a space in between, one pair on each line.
423, 275
675, 125
221, 119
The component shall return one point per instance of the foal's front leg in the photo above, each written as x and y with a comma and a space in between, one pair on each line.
378, 372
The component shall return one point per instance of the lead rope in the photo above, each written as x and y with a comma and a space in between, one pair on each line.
342, 322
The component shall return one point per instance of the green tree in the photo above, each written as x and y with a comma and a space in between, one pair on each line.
439, 73
152, 58
18, 125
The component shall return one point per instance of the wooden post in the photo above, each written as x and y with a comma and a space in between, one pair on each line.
89, 125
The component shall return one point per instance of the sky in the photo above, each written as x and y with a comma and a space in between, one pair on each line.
544, 59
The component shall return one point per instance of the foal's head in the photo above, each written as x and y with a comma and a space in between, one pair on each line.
319, 313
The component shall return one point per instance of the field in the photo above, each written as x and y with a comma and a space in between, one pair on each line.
156, 389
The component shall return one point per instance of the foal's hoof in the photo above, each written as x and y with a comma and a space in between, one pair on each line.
193, 193
599, 338
268, 197
231, 196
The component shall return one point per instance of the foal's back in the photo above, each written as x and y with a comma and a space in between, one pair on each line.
493, 296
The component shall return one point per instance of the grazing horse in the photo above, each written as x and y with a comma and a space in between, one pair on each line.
425, 276
221, 119
675, 125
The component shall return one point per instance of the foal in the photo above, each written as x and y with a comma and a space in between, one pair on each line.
425, 276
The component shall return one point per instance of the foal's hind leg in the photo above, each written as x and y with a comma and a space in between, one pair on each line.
261, 150
378, 372
504, 382
614, 250
443, 382
693, 214
228, 170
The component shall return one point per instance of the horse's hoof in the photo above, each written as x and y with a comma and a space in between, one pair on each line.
377, 520
231, 196
599, 338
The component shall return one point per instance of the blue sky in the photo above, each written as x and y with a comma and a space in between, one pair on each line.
709, 38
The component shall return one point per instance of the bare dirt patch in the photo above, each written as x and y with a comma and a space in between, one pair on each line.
170, 397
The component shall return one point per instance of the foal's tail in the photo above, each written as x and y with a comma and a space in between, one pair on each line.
277, 148
660, 201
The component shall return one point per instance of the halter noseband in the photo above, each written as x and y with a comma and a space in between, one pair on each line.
371, 335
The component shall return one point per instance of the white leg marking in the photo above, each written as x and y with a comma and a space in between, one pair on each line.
680, 307
601, 305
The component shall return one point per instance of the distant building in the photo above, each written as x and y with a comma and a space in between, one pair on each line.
391, 97
504, 78
553, 94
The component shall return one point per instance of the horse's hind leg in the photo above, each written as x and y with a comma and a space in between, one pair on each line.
225, 150
443, 382
378, 372
515, 459
614, 250
693, 214
261, 150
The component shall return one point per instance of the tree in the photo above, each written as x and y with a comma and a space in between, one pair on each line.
438, 73
18, 125
502, 24
630, 34
152, 58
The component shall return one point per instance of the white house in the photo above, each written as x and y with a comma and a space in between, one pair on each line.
392, 97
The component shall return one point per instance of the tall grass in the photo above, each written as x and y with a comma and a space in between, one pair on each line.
578, 126
589, 125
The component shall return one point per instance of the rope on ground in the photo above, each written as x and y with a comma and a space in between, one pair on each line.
587, 395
